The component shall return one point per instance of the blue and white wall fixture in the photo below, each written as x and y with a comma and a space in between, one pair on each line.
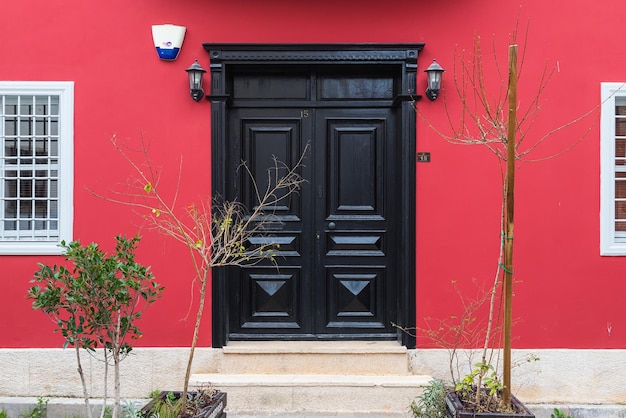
168, 39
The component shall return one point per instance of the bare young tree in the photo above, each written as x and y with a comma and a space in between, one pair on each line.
492, 116
216, 232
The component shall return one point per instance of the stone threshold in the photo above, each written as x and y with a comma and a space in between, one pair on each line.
314, 347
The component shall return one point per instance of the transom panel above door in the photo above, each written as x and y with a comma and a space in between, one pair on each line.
346, 258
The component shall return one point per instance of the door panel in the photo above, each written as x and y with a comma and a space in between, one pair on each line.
264, 141
265, 300
354, 176
356, 257
271, 300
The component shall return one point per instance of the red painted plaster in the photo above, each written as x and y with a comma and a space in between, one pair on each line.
567, 294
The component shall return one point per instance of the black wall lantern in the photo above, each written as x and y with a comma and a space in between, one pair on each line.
434, 72
196, 73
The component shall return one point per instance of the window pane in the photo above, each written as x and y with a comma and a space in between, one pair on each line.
620, 126
25, 185
26, 208
26, 107
620, 186
10, 209
10, 225
25, 126
10, 188
620, 216
41, 209
41, 188
41, 126
54, 126
41, 105
10, 126
10, 148
54, 193
10, 106
620, 151
41, 147
54, 209
54, 106
26, 148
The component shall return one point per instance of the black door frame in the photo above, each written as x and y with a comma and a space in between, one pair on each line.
224, 57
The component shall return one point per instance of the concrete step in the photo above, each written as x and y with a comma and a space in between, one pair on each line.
317, 357
306, 378
250, 394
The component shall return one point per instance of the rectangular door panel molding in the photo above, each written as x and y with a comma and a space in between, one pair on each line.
356, 172
272, 298
356, 244
285, 244
356, 297
268, 146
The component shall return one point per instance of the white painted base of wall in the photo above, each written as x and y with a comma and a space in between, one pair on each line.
560, 376
53, 373
592, 377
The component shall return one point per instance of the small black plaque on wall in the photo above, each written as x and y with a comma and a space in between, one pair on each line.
423, 157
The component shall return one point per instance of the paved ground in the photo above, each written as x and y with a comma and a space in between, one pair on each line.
64, 408
540, 411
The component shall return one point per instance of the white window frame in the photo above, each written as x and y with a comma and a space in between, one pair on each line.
610, 242
65, 91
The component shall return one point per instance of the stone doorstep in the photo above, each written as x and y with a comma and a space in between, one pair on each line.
347, 394
219, 380
312, 347
313, 357
318, 377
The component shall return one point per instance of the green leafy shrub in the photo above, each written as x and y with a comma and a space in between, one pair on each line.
432, 402
96, 303
559, 414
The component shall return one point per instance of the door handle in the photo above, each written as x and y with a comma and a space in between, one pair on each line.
331, 225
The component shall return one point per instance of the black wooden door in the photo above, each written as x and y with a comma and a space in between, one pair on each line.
336, 276
347, 268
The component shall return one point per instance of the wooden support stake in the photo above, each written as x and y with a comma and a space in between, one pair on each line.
509, 222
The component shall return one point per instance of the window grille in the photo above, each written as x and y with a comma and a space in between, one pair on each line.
35, 161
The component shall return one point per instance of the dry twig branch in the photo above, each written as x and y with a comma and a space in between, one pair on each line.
216, 232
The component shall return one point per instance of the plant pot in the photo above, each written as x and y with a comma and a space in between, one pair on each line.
215, 409
455, 409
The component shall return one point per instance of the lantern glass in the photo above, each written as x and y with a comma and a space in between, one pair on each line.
195, 80
434, 80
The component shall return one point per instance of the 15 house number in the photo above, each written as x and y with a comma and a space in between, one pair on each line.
423, 157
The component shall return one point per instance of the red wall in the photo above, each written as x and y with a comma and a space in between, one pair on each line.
567, 293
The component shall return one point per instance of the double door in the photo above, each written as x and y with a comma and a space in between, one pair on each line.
337, 269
